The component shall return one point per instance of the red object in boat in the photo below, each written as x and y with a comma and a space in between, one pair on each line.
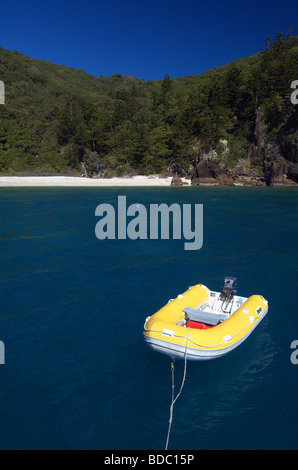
198, 325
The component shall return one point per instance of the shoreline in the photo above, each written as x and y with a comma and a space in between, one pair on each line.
68, 181
135, 181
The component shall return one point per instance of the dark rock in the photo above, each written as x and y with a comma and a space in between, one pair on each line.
210, 173
203, 174
174, 170
245, 176
92, 164
256, 151
293, 172
176, 181
83, 170
221, 173
290, 146
260, 130
275, 170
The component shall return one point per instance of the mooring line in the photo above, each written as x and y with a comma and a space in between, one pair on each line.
173, 389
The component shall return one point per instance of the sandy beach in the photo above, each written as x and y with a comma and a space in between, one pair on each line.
56, 181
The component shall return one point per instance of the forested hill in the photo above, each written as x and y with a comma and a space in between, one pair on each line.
236, 121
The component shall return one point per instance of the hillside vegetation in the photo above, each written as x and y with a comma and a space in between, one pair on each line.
58, 120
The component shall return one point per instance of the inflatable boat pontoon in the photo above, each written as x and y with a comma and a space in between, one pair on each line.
204, 324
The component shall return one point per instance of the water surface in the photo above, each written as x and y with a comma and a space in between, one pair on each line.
78, 374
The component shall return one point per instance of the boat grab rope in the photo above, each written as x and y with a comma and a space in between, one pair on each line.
202, 345
173, 389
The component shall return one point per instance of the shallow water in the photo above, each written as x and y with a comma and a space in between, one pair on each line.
78, 374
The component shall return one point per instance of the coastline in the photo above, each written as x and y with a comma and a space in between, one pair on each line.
72, 181
135, 181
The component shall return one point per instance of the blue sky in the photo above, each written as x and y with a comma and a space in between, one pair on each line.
147, 39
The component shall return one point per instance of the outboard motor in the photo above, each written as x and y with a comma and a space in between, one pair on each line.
228, 289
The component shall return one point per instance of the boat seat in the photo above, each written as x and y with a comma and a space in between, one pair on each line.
210, 318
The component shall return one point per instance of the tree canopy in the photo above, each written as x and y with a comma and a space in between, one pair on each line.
56, 117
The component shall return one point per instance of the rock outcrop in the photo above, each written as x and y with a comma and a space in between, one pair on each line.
216, 174
176, 181
293, 172
91, 165
267, 163
244, 175
275, 171
203, 175
174, 170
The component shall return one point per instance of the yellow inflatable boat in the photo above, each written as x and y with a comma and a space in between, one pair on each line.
204, 324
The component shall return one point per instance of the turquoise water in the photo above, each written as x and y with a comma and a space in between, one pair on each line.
78, 374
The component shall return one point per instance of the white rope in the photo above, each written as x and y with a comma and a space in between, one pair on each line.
173, 389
